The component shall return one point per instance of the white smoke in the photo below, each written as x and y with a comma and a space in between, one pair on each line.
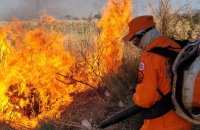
28, 9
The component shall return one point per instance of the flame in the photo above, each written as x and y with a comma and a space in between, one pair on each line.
29, 89
114, 21
45, 18
30, 61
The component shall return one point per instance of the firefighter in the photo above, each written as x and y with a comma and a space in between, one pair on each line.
153, 90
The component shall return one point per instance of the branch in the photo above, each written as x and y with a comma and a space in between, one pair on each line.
75, 80
69, 124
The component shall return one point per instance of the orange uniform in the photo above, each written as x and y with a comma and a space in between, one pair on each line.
155, 73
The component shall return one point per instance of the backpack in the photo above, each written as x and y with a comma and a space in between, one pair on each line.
185, 68
185, 64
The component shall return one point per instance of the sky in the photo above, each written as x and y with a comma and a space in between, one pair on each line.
27, 9
58, 8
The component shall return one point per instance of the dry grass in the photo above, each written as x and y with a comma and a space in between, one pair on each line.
80, 38
180, 24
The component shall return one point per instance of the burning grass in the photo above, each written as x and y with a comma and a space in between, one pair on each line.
54, 73
40, 77
29, 89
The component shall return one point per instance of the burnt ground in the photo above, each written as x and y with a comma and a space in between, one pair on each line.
93, 106
89, 105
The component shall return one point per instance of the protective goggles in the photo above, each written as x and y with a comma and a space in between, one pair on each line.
136, 39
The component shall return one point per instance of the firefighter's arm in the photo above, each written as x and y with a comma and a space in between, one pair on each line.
146, 89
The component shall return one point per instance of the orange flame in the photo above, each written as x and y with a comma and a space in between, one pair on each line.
115, 18
31, 60
45, 18
29, 89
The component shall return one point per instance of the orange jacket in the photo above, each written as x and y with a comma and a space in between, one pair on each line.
155, 72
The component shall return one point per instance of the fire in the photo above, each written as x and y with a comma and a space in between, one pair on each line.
114, 20
32, 60
45, 18
29, 89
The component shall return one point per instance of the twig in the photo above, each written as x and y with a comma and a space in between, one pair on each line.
68, 124
79, 81
76, 80
92, 67
64, 82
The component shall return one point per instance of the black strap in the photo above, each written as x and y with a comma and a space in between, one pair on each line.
161, 94
182, 43
159, 108
166, 52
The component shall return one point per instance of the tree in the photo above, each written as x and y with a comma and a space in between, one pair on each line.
97, 16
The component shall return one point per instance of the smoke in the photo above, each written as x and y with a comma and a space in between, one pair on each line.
28, 9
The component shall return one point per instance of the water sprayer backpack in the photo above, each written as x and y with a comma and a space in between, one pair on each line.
186, 76
185, 79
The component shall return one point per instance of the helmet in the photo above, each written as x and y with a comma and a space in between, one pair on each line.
139, 26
